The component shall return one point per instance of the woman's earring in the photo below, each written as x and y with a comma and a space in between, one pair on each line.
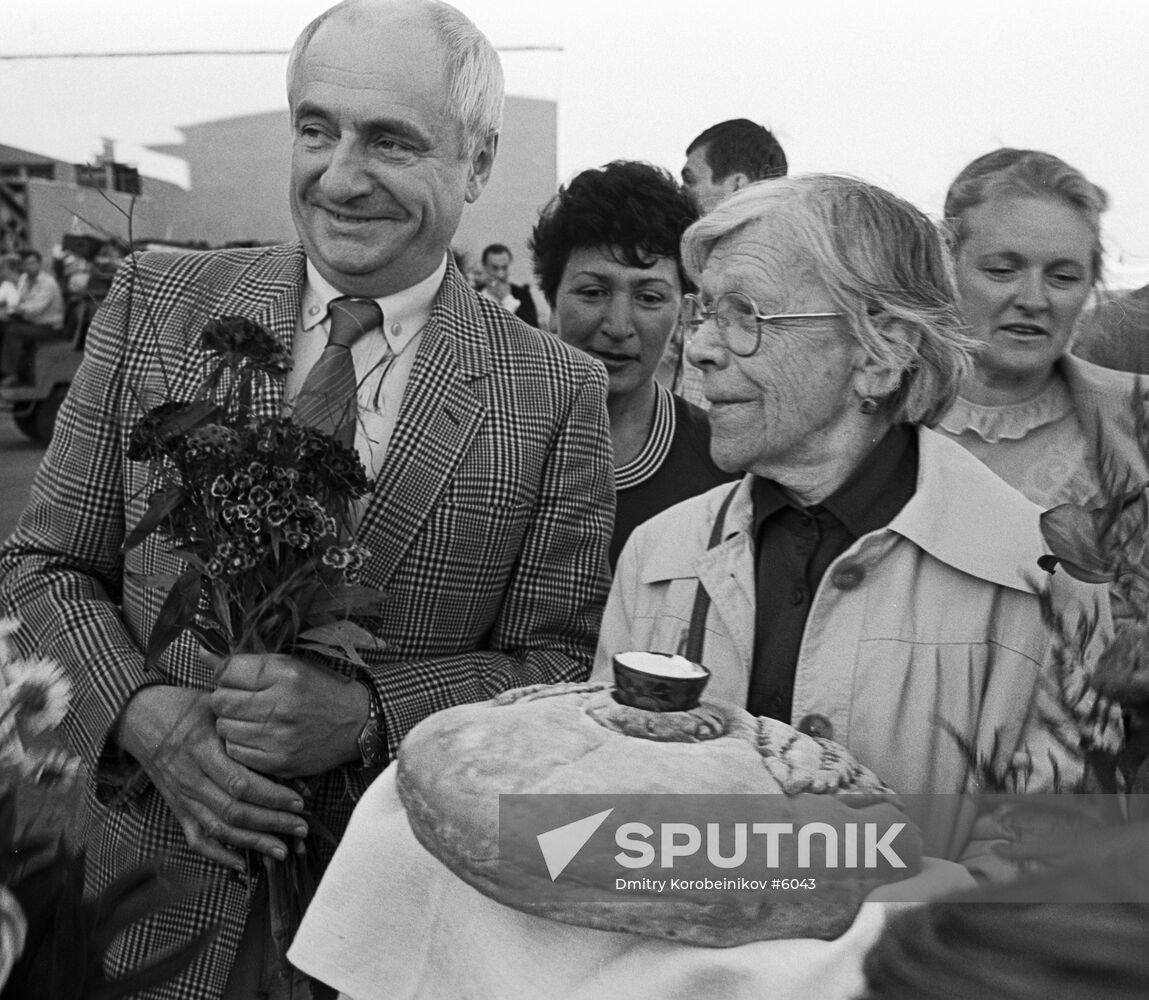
869, 405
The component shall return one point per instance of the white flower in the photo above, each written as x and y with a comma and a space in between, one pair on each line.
38, 691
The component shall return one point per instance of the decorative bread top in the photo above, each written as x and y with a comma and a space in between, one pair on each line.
798, 762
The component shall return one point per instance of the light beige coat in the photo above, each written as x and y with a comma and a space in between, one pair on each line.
934, 617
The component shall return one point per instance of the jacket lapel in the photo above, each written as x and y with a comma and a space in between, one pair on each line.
438, 420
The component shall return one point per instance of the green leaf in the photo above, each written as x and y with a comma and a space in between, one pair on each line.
134, 895
210, 639
160, 581
350, 599
302, 599
191, 558
163, 503
159, 971
1069, 531
176, 614
245, 396
199, 413
339, 637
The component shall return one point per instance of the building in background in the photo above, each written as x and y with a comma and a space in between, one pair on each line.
42, 200
239, 169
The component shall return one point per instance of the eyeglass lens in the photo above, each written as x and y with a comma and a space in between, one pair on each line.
735, 316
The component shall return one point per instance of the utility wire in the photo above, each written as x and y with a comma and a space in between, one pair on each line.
31, 56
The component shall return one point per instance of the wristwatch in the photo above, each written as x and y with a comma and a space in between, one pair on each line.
372, 742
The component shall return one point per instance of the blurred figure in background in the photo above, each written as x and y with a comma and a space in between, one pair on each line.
105, 263
606, 255
496, 284
1115, 333
37, 316
9, 277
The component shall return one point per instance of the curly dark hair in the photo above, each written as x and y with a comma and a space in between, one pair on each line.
634, 208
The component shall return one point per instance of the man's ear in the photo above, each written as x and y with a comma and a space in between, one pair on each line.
481, 164
736, 182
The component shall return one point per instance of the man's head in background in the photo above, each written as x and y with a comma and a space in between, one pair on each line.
30, 264
727, 157
497, 263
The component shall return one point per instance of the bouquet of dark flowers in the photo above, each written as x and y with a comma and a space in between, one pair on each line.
260, 510
52, 940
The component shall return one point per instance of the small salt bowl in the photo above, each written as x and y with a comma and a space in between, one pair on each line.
658, 682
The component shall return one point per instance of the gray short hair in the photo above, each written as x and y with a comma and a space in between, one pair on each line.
1025, 172
880, 258
474, 71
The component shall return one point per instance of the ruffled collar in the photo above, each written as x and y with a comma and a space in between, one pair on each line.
1012, 421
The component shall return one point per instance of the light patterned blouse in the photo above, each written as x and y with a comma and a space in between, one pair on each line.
1038, 446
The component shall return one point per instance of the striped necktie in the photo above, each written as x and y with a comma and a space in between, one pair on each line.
327, 399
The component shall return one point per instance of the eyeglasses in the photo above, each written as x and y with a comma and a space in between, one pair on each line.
738, 320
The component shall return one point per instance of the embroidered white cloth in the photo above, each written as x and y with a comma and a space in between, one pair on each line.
389, 922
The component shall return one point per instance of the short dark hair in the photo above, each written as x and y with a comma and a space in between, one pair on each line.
741, 146
636, 209
25, 254
496, 248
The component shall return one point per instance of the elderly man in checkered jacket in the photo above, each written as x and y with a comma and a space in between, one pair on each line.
488, 523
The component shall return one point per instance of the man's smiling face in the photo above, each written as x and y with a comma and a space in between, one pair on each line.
379, 169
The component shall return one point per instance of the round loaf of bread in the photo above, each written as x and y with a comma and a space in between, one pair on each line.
576, 739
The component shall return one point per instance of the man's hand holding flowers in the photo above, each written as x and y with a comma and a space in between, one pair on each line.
222, 805
285, 717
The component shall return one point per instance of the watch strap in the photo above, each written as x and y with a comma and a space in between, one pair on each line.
372, 737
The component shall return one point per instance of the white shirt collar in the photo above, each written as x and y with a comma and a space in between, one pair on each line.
404, 314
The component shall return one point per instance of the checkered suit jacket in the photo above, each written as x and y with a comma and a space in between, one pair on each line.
488, 527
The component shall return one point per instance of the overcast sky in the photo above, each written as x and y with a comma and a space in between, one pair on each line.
900, 92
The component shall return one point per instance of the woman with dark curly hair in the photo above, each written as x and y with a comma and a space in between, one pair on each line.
606, 255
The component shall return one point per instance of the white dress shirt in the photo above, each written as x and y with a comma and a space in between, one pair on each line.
382, 358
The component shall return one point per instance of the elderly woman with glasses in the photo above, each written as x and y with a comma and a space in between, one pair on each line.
868, 580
